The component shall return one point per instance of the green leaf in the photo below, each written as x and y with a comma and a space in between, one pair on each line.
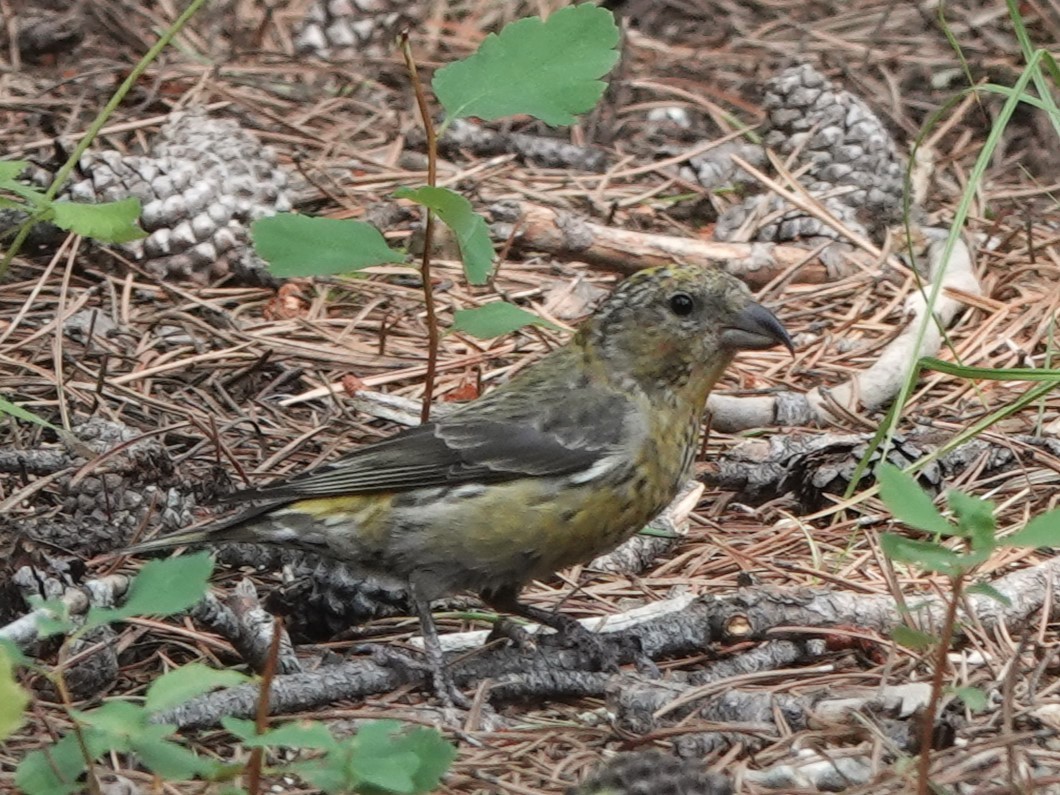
913, 638
297, 245
548, 69
1041, 531
34, 197
657, 532
10, 169
11, 204
494, 319
55, 770
909, 503
19, 413
162, 587
53, 616
185, 683
14, 654
13, 697
328, 773
116, 721
975, 518
925, 554
109, 222
170, 760
239, 727
404, 761
973, 698
988, 590
435, 755
991, 373
298, 734
380, 759
472, 233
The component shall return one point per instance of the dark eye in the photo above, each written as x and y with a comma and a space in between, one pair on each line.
681, 304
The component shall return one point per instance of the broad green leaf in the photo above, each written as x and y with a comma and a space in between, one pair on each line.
1041, 531
14, 654
185, 683
170, 760
53, 616
400, 760
390, 773
988, 590
913, 638
10, 169
55, 770
13, 697
34, 197
301, 734
472, 233
973, 698
377, 736
925, 554
975, 518
548, 69
16, 411
379, 758
909, 503
162, 587
969, 560
117, 721
239, 727
109, 222
329, 773
297, 734
298, 245
494, 319
435, 755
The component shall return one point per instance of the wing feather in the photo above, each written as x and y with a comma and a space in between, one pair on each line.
478, 444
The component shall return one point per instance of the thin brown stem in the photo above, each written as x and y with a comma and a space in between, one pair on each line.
59, 681
927, 725
428, 229
261, 718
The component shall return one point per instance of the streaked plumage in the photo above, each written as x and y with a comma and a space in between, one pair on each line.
562, 463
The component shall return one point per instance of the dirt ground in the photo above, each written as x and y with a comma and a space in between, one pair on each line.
214, 382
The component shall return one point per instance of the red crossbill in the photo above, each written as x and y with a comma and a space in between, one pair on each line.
563, 463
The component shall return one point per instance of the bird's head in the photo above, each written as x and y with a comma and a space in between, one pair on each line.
678, 327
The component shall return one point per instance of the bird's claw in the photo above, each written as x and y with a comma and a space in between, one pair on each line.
413, 668
507, 629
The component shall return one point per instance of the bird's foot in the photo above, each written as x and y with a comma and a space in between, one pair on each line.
597, 647
413, 668
505, 628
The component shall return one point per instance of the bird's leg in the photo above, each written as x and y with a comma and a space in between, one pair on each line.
444, 686
507, 600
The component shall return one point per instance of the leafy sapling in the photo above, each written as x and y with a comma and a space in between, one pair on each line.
548, 69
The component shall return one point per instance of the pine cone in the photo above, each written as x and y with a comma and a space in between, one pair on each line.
344, 29
103, 509
847, 151
204, 182
652, 773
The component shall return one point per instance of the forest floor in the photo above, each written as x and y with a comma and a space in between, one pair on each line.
236, 383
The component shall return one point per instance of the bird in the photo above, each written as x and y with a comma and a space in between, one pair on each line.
560, 464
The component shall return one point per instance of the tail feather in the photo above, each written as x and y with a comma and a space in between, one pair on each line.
236, 528
181, 539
